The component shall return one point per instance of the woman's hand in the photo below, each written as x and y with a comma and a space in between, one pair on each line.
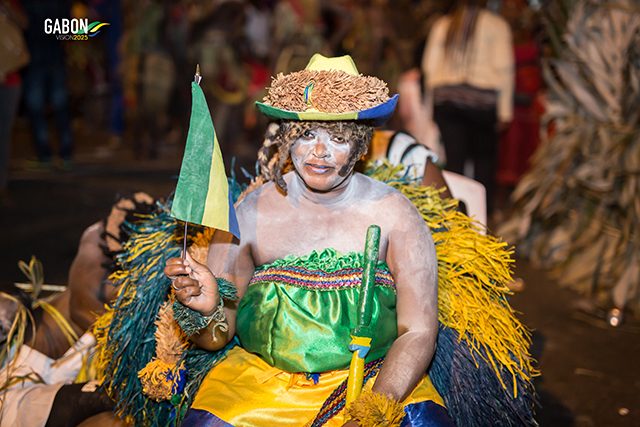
194, 284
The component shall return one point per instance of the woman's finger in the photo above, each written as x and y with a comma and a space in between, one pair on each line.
174, 270
185, 294
195, 265
173, 261
173, 275
181, 282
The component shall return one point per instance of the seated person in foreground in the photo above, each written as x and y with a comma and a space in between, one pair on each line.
269, 316
298, 267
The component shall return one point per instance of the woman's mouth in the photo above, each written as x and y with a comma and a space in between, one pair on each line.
318, 169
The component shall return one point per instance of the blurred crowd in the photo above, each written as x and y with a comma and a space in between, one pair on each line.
133, 79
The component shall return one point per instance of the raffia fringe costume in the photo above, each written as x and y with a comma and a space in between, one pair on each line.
482, 369
287, 366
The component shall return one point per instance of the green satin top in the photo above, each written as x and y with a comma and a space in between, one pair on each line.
298, 313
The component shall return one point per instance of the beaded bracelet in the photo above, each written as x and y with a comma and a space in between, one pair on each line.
192, 321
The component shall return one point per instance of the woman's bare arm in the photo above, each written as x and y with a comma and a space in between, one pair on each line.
232, 262
412, 260
196, 284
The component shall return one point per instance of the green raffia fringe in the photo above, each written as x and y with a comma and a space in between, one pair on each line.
192, 321
328, 260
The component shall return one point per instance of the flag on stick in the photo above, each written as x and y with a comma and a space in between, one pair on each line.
202, 195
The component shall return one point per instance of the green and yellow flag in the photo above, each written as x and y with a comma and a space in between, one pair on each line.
202, 195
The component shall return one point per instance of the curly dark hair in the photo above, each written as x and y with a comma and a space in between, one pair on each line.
274, 156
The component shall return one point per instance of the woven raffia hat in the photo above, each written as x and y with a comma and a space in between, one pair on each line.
328, 89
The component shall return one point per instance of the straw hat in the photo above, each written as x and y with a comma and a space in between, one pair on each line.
328, 89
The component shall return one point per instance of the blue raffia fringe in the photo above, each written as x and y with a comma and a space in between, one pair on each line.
472, 393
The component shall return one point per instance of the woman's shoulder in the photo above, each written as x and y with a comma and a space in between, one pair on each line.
382, 194
249, 199
246, 208
368, 186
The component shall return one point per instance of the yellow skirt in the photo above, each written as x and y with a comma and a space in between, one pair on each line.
243, 390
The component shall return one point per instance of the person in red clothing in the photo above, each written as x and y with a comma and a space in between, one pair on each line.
521, 138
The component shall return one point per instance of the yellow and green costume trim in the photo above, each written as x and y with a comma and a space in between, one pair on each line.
292, 368
378, 114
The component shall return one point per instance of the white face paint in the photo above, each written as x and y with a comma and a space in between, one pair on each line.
318, 156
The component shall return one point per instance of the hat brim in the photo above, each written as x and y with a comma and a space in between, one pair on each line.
377, 115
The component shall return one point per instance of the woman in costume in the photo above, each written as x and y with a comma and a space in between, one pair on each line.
297, 271
272, 313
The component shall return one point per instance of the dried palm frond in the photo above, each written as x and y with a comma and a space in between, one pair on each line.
577, 210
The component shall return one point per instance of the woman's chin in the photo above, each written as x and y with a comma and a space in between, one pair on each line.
319, 187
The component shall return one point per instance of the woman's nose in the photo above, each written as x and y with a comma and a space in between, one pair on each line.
320, 150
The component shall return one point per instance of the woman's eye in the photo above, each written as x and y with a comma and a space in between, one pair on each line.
339, 140
307, 134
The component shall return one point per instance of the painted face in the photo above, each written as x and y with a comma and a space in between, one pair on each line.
318, 156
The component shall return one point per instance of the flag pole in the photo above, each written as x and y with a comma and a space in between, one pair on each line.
196, 78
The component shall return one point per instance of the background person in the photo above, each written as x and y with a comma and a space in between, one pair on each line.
45, 82
468, 67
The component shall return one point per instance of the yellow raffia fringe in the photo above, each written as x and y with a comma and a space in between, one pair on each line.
375, 410
473, 272
199, 249
170, 340
170, 345
103, 352
154, 378
86, 373
60, 321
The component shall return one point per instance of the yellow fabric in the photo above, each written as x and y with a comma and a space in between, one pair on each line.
362, 341
243, 390
344, 63
313, 114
